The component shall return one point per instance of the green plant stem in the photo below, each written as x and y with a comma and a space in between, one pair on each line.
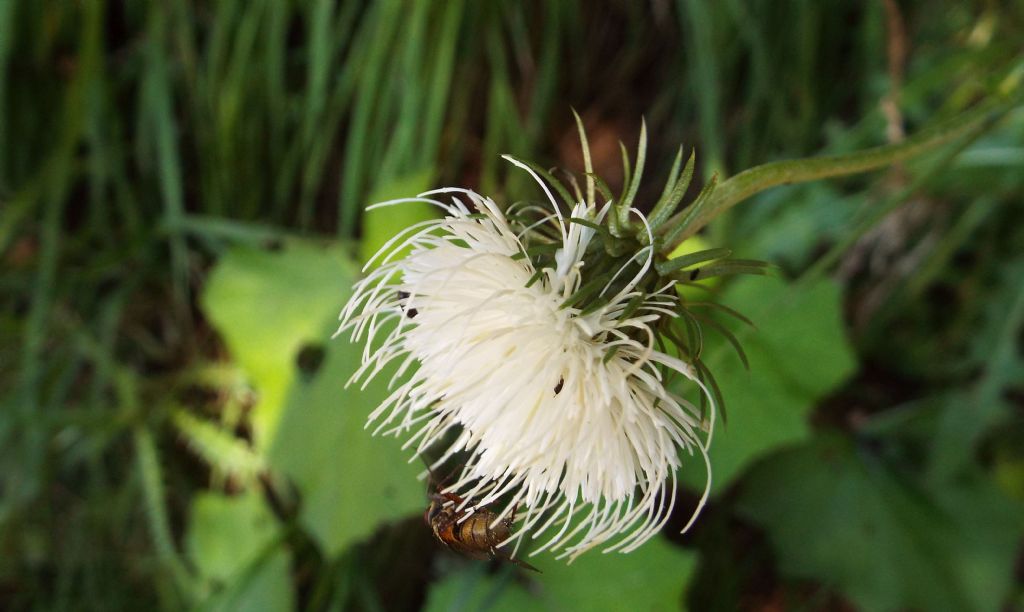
757, 179
883, 209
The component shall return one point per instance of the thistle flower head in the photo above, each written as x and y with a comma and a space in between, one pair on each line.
533, 341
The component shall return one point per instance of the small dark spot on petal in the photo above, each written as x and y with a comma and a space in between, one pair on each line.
558, 387
411, 312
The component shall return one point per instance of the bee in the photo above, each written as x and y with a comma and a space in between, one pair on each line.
477, 535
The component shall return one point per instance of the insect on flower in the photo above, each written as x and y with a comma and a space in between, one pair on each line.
547, 342
474, 534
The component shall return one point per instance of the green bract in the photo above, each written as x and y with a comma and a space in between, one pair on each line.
626, 238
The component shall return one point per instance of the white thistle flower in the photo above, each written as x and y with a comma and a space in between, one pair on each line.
584, 439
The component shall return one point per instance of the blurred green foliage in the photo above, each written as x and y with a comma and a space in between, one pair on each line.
949, 547
636, 585
181, 187
796, 354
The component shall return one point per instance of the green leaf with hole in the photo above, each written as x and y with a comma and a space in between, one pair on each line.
352, 482
276, 312
853, 522
798, 353
267, 305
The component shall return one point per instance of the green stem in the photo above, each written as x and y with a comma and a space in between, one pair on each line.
757, 179
882, 209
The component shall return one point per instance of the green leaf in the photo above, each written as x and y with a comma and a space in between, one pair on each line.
603, 188
381, 224
797, 355
234, 543
351, 481
472, 590
268, 586
226, 533
269, 306
654, 577
152, 480
848, 520
728, 335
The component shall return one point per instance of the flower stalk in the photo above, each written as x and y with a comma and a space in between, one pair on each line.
755, 180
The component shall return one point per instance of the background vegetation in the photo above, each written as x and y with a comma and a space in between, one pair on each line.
181, 186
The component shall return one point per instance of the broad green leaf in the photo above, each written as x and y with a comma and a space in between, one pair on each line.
654, 577
232, 543
381, 224
472, 590
351, 481
226, 534
267, 585
269, 306
838, 514
797, 354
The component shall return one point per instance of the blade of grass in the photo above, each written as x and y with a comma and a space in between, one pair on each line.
699, 24
156, 98
7, 13
54, 188
546, 77
312, 155
440, 88
378, 31
407, 94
